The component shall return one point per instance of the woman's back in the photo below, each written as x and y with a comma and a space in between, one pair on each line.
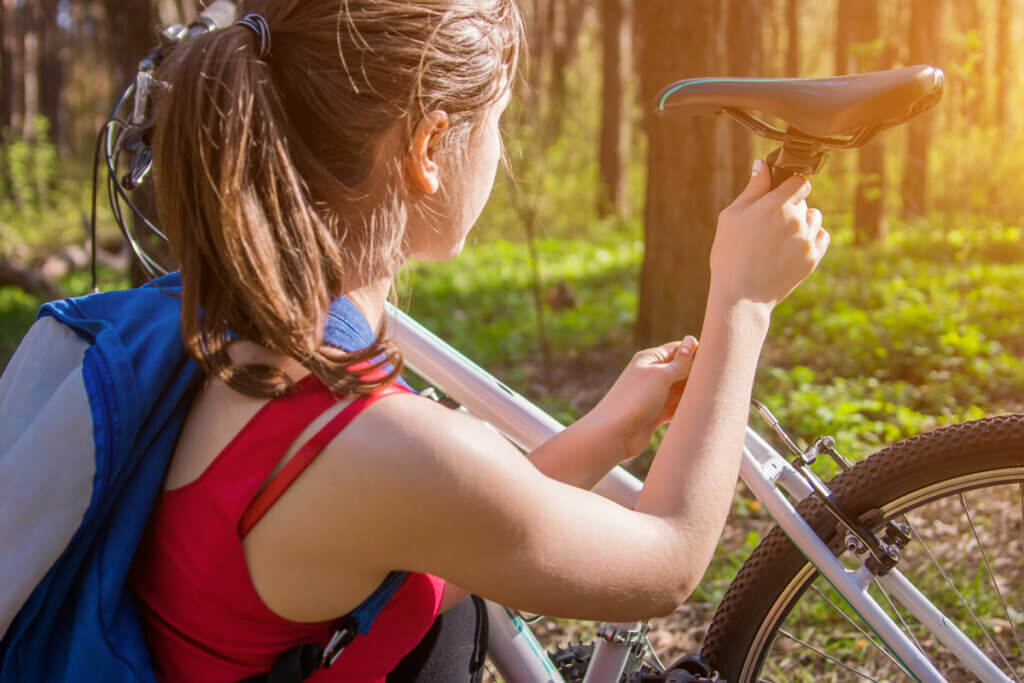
205, 618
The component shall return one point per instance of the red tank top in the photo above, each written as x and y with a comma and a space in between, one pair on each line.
203, 618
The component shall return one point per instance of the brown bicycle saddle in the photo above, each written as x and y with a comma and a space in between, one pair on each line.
816, 107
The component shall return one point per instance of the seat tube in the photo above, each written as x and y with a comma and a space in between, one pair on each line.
514, 649
609, 659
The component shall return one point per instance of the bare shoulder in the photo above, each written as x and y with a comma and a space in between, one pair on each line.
405, 462
347, 520
410, 431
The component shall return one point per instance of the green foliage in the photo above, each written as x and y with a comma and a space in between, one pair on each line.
976, 172
481, 302
42, 199
918, 331
881, 343
17, 311
31, 169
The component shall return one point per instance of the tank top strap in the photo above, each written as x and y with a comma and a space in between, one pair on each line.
240, 469
295, 466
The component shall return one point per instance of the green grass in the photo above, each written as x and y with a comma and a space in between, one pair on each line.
881, 343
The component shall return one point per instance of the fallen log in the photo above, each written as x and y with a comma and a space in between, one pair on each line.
42, 280
32, 280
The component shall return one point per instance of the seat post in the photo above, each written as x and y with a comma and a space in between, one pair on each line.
800, 154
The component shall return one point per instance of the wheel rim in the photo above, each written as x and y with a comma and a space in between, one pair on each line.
981, 496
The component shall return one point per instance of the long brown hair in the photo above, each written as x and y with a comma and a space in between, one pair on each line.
279, 180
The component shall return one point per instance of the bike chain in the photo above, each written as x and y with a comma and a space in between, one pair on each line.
572, 661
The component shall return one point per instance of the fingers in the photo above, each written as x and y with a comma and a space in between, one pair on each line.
679, 367
656, 355
667, 352
794, 190
821, 241
685, 348
814, 220
759, 185
818, 235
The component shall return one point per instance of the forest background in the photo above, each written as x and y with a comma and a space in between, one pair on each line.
599, 244
913, 319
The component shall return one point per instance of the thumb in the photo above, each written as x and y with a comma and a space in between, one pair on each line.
683, 358
760, 184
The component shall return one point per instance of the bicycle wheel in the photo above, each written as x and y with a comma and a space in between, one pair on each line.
962, 490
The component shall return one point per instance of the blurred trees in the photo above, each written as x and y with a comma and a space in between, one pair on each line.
593, 68
793, 31
681, 201
861, 48
924, 48
616, 66
745, 23
1005, 62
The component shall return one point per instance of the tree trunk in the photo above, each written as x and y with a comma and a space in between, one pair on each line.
924, 45
844, 18
14, 60
568, 21
132, 31
678, 40
5, 68
33, 25
968, 83
540, 38
744, 55
52, 86
614, 146
793, 49
868, 222
1005, 64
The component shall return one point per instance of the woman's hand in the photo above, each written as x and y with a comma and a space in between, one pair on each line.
767, 241
645, 395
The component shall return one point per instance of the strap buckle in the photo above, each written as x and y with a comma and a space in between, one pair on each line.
344, 633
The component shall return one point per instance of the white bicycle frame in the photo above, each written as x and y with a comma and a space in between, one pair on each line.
512, 646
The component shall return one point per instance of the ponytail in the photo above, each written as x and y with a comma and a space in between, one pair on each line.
269, 177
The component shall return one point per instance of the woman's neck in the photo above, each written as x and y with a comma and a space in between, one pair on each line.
370, 300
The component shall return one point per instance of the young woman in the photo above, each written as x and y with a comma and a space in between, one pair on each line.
301, 157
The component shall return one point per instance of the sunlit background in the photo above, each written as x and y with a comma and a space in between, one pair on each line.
915, 319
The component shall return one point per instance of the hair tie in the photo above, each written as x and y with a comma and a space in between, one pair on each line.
261, 28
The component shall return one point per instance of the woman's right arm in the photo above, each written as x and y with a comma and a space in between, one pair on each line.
450, 497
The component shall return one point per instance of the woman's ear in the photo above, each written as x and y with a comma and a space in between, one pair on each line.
420, 164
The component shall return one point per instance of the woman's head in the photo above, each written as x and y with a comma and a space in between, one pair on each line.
286, 180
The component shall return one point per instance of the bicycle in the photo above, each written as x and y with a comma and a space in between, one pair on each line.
868, 500
857, 532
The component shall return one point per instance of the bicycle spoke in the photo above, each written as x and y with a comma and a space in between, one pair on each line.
995, 584
906, 627
850, 620
784, 632
960, 596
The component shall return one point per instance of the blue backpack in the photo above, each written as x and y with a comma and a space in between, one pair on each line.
91, 406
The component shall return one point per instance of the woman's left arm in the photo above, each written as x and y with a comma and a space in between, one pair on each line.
643, 398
